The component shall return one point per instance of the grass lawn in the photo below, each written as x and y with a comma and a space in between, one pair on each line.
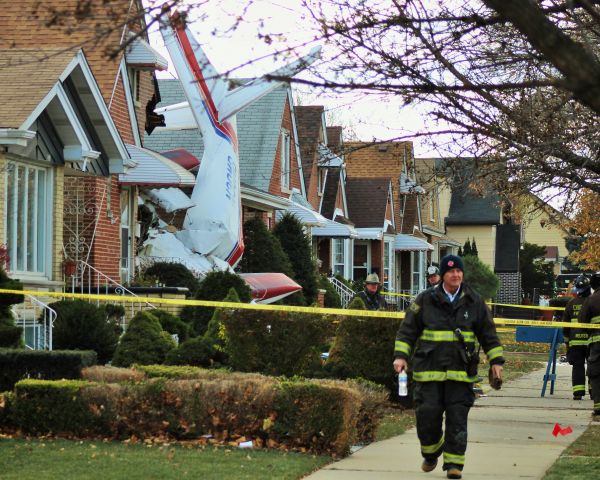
581, 460
51, 459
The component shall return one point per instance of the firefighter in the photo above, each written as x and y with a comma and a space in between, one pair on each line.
576, 338
590, 313
371, 295
438, 336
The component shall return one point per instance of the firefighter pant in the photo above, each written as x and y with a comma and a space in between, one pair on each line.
595, 387
432, 400
576, 357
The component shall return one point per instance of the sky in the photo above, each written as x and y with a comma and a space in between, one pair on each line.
364, 117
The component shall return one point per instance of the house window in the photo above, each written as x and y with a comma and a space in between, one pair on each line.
338, 257
320, 181
431, 207
27, 224
134, 84
388, 262
418, 272
285, 159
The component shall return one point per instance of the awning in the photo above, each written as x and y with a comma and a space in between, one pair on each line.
409, 243
308, 217
153, 169
141, 54
369, 233
334, 229
269, 287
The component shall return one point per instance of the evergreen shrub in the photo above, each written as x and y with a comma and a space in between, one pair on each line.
275, 342
81, 325
480, 277
297, 246
332, 297
172, 274
10, 334
144, 342
215, 287
363, 347
173, 324
17, 364
198, 351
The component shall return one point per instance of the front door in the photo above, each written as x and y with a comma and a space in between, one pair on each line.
361, 260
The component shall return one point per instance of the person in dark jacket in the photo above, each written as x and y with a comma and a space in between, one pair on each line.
577, 338
371, 294
433, 275
590, 313
438, 337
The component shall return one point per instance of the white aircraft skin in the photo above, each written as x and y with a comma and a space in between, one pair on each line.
214, 225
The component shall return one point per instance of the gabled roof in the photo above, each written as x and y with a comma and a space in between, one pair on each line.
258, 128
367, 200
26, 77
469, 208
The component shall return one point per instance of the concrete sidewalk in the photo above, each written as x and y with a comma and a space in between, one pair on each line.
510, 436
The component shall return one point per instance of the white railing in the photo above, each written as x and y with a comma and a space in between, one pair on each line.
37, 321
346, 293
89, 280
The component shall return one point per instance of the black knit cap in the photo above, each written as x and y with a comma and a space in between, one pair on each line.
449, 262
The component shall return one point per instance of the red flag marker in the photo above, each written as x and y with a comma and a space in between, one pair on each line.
558, 430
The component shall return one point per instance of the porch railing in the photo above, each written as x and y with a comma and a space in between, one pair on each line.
346, 293
37, 321
89, 280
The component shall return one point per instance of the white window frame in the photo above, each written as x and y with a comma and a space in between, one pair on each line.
134, 75
39, 262
431, 206
417, 279
388, 265
338, 257
285, 157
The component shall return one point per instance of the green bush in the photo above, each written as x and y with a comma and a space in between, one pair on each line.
172, 324
10, 334
275, 342
18, 364
215, 287
332, 297
297, 246
80, 325
480, 277
364, 348
215, 332
144, 342
263, 251
173, 275
42, 406
198, 351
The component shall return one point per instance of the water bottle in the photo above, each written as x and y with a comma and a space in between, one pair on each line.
402, 384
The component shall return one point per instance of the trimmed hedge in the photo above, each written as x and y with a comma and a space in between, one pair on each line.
326, 416
275, 342
19, 364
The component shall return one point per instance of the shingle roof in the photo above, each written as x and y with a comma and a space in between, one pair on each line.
258, 127
367, 200
26, 77
469, 208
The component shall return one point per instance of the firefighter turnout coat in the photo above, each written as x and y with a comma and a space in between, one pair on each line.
576, 337
428, 335
590, 313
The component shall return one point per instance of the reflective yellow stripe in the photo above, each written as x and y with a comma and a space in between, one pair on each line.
578, 388
494, 353
445, 336
580, 343
582, 336
402, 347
596, 406
434, 376
595, 319
428, 449
593, 339
453, 458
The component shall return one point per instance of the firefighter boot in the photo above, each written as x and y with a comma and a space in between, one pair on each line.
429, 465
454, 473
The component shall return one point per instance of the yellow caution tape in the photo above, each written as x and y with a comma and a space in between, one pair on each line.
279, 308
209, 303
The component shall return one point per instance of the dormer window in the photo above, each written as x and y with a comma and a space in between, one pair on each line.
285, 159
134, 84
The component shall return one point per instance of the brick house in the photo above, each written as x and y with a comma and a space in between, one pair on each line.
395, 161
99, 212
